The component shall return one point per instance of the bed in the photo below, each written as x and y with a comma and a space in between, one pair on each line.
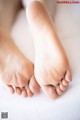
39, 107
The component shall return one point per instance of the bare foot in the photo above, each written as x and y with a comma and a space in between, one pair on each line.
15, 70
52, 69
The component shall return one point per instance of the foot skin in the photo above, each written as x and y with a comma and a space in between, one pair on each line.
52, 69
15, 70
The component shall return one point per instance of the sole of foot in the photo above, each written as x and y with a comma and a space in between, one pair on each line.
52, 69
16, 71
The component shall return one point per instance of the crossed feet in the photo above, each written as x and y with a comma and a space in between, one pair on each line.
51, 70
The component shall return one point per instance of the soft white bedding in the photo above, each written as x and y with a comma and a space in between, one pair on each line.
39, 107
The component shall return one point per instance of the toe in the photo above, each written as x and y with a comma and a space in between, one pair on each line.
24, 92
68, 76
27, 70
58, 90
30, 94
22, 81
50, 91
11, 89
34, 86
65, 83
18, 90
62, 87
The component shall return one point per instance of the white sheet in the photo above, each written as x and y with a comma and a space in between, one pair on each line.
39, 107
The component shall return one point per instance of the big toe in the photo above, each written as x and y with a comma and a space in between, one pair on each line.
34, 86
50, 91
22, 80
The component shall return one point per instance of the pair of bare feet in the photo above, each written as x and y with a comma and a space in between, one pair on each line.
51, 71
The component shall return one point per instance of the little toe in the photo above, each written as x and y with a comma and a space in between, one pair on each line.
18, 90
11, 89
24, 92
34, 86
50, 91
58, 90
68, 76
